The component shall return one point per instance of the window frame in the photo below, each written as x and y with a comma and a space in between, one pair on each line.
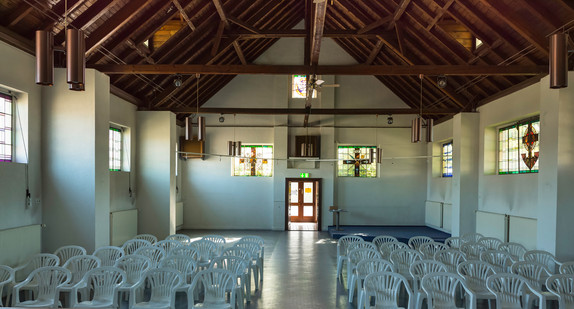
242, 156
7, 96
111, 160
443, 174
373, 164
515, 125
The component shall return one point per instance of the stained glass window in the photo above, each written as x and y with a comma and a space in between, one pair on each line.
518, 148
115, 149
447, 160
6, 137
254, 160
357, 161
299, 85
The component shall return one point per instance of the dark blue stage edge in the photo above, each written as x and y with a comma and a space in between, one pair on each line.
401, 232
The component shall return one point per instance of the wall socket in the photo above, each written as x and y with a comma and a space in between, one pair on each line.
37, 202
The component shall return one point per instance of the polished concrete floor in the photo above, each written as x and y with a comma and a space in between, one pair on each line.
299, 270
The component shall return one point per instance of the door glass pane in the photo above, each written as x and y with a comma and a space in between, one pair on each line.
294, 211
294, 192
307, 211
308, 193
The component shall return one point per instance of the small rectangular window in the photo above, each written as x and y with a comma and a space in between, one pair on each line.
447, 160
299, 87
6, 128
518, 147
254, 160
357, 161
115, 149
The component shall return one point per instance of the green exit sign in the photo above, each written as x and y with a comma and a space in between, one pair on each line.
304, 175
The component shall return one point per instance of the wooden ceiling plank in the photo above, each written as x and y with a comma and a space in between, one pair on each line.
118, 20
86, 19
217, 38
20, 12
317, 31
440, 14
375, 24
398, 13
243, 25
16, 40
535, 8
184, 14
221, 12
59, 9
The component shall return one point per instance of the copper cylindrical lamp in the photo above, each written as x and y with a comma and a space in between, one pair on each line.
200, 128
558, 61
188, 128
416, 130
44, 58
75, 56
430, 125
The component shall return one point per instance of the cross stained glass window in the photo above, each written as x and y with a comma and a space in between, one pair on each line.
299, 87
254, 160
357, 161
447, 160
115, 149
518, 148
6, 137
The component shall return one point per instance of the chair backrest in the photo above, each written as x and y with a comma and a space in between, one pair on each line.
168, 244
369, 266
36, 261
430, 248
252, 247
359, 254
104, 281
155, 254
499, 260
472, 250
508, 288
258, 239
79, 265
344, 241
450, 258
234, 264
471, 237
419, 268
215, 282
162, 282
108, 255
453, 242
132, 245
533, 272
379, 240
237, 251
149, 237
403, 258
7, 278
49, 279
387, 248
543, 257
441, 288
218, 239
134, 266
385, 287
206, 248
66, 252
567, 268
515, 250
185, 250
416, 241
562, 285
183, 264
491, 243
182, 238
475, 273
361, 244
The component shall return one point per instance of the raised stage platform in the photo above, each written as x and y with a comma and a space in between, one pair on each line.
402, 233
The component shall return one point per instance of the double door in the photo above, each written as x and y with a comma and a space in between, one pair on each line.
303, 200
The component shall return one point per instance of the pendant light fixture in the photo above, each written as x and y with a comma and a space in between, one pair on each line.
200, 119
558, 61
188, 128
234, 147
416, 125
75, 57
44, 58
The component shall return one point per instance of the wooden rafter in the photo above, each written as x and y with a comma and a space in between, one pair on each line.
239, 52
184, 14
221, 12
243, 25
440, 14
398, 13
375, 24
376, 50
315, 111
317, 31
16, 16
217, 38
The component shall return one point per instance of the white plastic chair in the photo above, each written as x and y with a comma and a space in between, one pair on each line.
78, 265
508, 289
418, 270
491, 243
134, 266
48, 279
388, 248
515, 250
534, 273
441, 288
361, 245
22, 272
181, 238
103, 284
354, 257
149, 237
185, 265
214, 283
499, 260
382, 239
155, 254
258, 240
239, 267
342, 244
563, 287
246, 255
472, 250
162, 283
384, 287
402, 259
474, 274
186, 251
255, 263
450, 258
567, 268
6, 280
416, 241
471, 237
218, 240
207, 250
168, 244
453, 242
429, 249
366, 267
543, 257
66, 252
132, 245
108, 255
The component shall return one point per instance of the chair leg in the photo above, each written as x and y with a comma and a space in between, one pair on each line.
339, 267
352, 287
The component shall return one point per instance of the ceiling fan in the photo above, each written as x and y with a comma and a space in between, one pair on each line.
316, 85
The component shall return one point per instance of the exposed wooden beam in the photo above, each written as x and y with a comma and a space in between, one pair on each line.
183, 14
243, 25
398, 13
59, 9
140, 50
439, 14
221, 12
458, 70
114, 23
16, 40
301, 33
375, 24
314, 111
20, 12
376, 50
124, 95
217, 38
239, 52
514, 88
317, 31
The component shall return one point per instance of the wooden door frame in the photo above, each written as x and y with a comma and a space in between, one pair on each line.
319, 202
